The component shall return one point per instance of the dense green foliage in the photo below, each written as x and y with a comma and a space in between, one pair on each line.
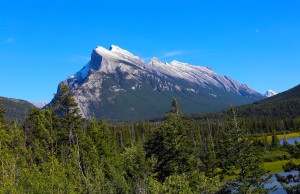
278, 113
56, 151
282, 105
15, 109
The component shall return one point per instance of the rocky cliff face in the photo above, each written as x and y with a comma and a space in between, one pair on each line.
117, 85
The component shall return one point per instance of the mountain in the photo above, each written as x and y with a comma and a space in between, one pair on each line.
15, 109
270, 93
41, 104
281, 106
117, 85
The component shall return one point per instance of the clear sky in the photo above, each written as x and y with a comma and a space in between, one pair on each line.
256, 42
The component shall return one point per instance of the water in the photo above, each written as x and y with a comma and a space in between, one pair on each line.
290, 140
280, 190
278, 185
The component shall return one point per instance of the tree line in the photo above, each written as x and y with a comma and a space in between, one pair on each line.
57, 151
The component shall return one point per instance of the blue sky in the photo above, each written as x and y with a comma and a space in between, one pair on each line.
256, 42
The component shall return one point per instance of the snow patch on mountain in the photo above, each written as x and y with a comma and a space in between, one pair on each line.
116, 63
41, 104
109, 61
270, 93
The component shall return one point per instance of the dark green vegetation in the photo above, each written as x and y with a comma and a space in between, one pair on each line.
278, 113
288, 156
280, 106
15, 109
147, 103
57, 151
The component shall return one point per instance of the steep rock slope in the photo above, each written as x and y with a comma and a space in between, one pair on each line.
117, 85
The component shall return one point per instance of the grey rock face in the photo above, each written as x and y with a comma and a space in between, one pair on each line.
116, 84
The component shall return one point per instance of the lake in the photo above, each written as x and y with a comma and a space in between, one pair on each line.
290, 140
280, 190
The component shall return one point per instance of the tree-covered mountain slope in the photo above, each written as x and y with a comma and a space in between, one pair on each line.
282, 105
15, 109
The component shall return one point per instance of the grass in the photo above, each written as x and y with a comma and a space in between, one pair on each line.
276, 155
276, 166
289, 135
273, 167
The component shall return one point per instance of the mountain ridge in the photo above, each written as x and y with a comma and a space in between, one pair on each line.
116, 75
15, 108
280, 106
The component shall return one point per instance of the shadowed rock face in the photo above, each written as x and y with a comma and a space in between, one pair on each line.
117, 85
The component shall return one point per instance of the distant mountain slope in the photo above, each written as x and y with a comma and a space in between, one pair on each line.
282, 105
118, 85
15, 109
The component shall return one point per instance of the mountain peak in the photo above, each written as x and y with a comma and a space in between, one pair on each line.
115, 76
121, 52
116, 48
41, 104
270, 93
156, 60
105, 53
175, 62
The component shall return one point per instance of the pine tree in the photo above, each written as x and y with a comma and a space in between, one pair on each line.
175, 107
64, 103
228, 144
136, 168
66, 108
275, 140
240, 158
69, 133
37, 133
174, 111
171, 145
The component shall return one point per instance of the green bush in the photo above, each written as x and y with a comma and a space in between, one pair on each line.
276, 155
290, 166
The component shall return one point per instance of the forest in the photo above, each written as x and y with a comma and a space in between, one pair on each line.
279, 113
55, 150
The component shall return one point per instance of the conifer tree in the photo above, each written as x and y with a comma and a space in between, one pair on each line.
136, 168
64, 104
37, 133
67, 109
240, 158
175, 109
275, 140
171, 145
